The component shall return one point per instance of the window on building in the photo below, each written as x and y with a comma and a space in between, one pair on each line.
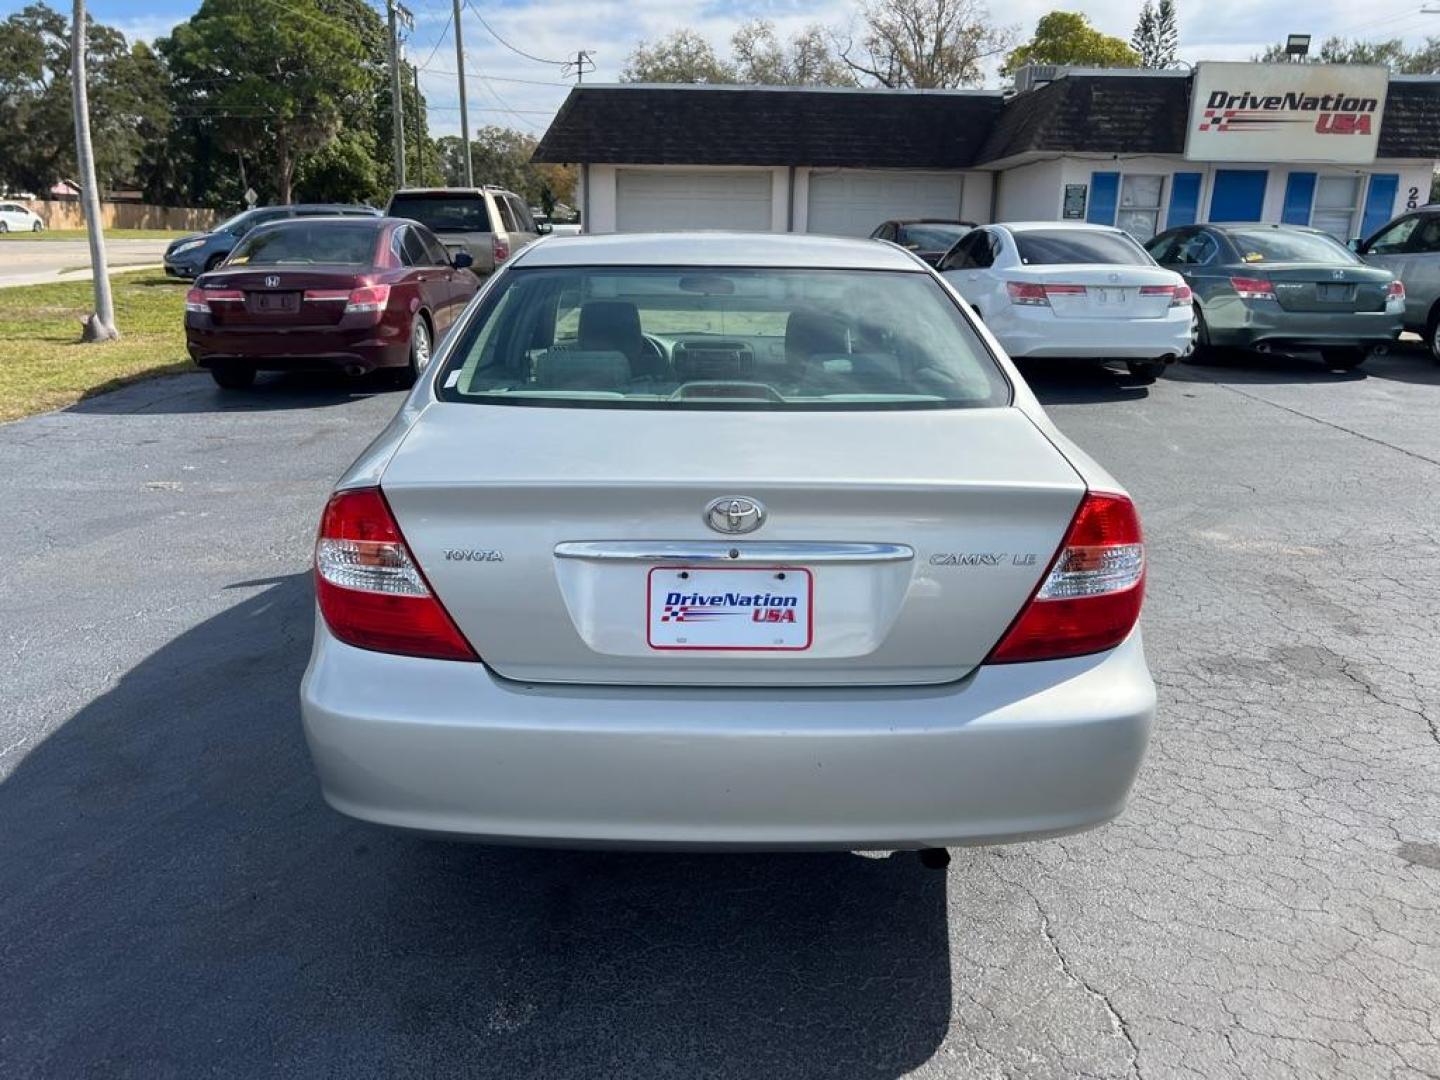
1336, 200
1139, 212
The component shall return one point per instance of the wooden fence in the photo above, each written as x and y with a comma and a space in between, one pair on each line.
66, 214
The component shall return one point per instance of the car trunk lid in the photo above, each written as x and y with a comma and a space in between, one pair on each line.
569, 544
314, 296
1100, 291
1323, 287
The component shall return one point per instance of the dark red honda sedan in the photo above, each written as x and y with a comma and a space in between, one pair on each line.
353, 294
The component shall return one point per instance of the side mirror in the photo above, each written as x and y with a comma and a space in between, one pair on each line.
542, 227
1355, 244
463, 260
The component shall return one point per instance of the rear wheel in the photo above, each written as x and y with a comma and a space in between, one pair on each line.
233, 376
1343, 359
420, 346
1199, 347
1432, 335
1146, 370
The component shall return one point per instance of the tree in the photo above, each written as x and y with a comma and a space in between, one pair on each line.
927, 44
805, 60
681, 57
1391, 53
758, 56
129, 113
1064, 37
1156, 36
502, 156
280, 79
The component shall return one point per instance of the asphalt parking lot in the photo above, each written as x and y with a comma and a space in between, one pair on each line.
176, 900
35, 262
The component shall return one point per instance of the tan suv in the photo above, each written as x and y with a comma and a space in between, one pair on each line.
488, 222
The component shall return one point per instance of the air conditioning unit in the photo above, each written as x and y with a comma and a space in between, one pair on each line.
1034, 76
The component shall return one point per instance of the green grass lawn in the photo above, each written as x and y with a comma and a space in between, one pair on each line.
110, 234
44, 365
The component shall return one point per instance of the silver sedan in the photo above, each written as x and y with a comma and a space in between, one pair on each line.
726, 541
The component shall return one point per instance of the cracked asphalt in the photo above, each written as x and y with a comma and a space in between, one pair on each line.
176, 900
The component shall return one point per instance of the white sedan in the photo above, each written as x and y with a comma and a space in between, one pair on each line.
1065, 289
726, 540
16, 218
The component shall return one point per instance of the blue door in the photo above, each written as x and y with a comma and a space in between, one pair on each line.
1238, 195
1184, 199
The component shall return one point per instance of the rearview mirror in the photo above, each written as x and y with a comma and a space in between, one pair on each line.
463, 260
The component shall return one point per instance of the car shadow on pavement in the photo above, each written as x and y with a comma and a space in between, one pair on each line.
196, 393
1406, 363
178, 901
1080, 382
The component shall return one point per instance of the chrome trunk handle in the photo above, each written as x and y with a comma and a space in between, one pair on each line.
720, 551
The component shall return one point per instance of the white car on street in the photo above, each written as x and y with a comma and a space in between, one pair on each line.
726, 540
1050, 288
16, 218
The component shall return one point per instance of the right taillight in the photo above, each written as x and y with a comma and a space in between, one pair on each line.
1253, 288
370, 589
1090, 597
1395, 291
368, 299
500, 249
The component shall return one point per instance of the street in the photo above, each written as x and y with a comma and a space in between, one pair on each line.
177, 900
34, 262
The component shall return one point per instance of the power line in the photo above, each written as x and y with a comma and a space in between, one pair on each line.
518, 51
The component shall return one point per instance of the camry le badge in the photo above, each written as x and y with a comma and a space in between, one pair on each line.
734, 514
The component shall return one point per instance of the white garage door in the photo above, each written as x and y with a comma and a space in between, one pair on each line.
666, 201
852, 203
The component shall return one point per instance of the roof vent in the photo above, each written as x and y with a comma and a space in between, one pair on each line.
1034, 76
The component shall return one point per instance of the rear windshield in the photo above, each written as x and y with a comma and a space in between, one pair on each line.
931, 236
1043, 247
327, 242
1276, 245
666, 338
444, 212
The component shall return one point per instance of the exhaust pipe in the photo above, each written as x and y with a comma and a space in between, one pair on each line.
1263, 347
1380, 350
355, 370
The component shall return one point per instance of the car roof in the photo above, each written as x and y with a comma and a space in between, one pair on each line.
481, 189
929, 221
733, 249
1075, 226
1251, 226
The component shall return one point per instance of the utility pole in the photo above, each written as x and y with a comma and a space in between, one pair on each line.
578, 65
419, 131
464, 111
101, 325
395, 11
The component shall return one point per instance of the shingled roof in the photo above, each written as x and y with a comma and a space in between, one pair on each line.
1131, 114
1079, 113
724, 125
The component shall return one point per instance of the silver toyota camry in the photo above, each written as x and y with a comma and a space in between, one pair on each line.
726, 541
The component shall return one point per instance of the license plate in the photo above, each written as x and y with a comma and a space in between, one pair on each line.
733, 608
1336, 294
277, 301
1108, 296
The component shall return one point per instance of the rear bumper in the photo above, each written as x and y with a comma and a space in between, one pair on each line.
1038, 332
1014, 752
298, 350
1265, 323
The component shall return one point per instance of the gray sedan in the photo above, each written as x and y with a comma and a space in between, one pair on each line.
718, 540
1283, 288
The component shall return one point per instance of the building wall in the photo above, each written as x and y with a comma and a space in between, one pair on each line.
1078, 170
1030, 192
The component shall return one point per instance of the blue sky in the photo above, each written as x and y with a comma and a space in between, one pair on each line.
509, 89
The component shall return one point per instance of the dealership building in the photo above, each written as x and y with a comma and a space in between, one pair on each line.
1341, 148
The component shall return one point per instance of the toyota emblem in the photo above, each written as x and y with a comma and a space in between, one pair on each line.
734, 514
272, 281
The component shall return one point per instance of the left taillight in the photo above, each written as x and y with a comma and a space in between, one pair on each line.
1090, 598
198, 299
370, 589
1395, 291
